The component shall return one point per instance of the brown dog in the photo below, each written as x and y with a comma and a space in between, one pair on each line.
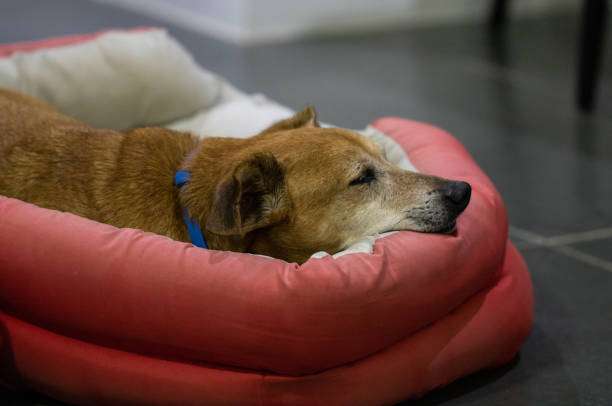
288, 192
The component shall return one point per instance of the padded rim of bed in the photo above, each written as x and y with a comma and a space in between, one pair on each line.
486, 331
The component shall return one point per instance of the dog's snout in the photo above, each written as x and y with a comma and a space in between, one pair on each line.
457, 194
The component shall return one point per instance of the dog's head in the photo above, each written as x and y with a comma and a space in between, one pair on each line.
300, 188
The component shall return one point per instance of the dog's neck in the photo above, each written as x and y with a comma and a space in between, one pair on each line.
208, 163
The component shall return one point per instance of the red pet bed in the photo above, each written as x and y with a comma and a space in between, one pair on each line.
92, 314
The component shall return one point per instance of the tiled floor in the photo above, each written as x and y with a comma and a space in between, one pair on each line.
509, 99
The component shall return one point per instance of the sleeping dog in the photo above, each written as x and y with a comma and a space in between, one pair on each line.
287, 192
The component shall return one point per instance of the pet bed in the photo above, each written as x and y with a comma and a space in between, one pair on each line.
92, 314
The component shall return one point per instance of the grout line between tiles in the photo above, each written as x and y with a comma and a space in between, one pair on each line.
559, 244
526, 246
592, 235
584, 257
563, 239
526, 235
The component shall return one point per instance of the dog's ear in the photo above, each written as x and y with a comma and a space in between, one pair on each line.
252, 197
304, 119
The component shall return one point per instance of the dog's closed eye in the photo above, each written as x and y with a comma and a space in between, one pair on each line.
367, 175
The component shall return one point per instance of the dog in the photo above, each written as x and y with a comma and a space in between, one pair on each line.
290, 191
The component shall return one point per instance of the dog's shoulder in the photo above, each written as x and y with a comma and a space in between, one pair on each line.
157, 143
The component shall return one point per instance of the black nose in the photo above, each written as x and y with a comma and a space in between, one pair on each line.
457, 195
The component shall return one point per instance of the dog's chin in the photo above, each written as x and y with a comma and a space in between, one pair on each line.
443, 228
450, 228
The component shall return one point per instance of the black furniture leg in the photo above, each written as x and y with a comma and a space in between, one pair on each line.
594, 17
498, 13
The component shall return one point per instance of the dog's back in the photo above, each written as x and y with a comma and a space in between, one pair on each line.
42, 152
57, 162
22, 116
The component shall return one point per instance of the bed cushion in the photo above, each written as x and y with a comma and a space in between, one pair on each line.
115, 79
92, 314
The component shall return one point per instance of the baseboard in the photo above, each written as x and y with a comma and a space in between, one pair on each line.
262, 28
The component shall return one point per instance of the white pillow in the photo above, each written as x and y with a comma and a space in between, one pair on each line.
241, 117
118, 80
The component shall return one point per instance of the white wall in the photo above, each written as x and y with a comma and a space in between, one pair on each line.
247, 22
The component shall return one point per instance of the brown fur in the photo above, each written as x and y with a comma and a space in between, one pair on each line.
286, 192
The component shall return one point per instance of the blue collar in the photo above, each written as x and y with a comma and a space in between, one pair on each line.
195, 232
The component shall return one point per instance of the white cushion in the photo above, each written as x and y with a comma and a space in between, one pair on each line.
117, 80
241, 117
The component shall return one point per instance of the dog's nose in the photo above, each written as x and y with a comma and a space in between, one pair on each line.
457, 195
